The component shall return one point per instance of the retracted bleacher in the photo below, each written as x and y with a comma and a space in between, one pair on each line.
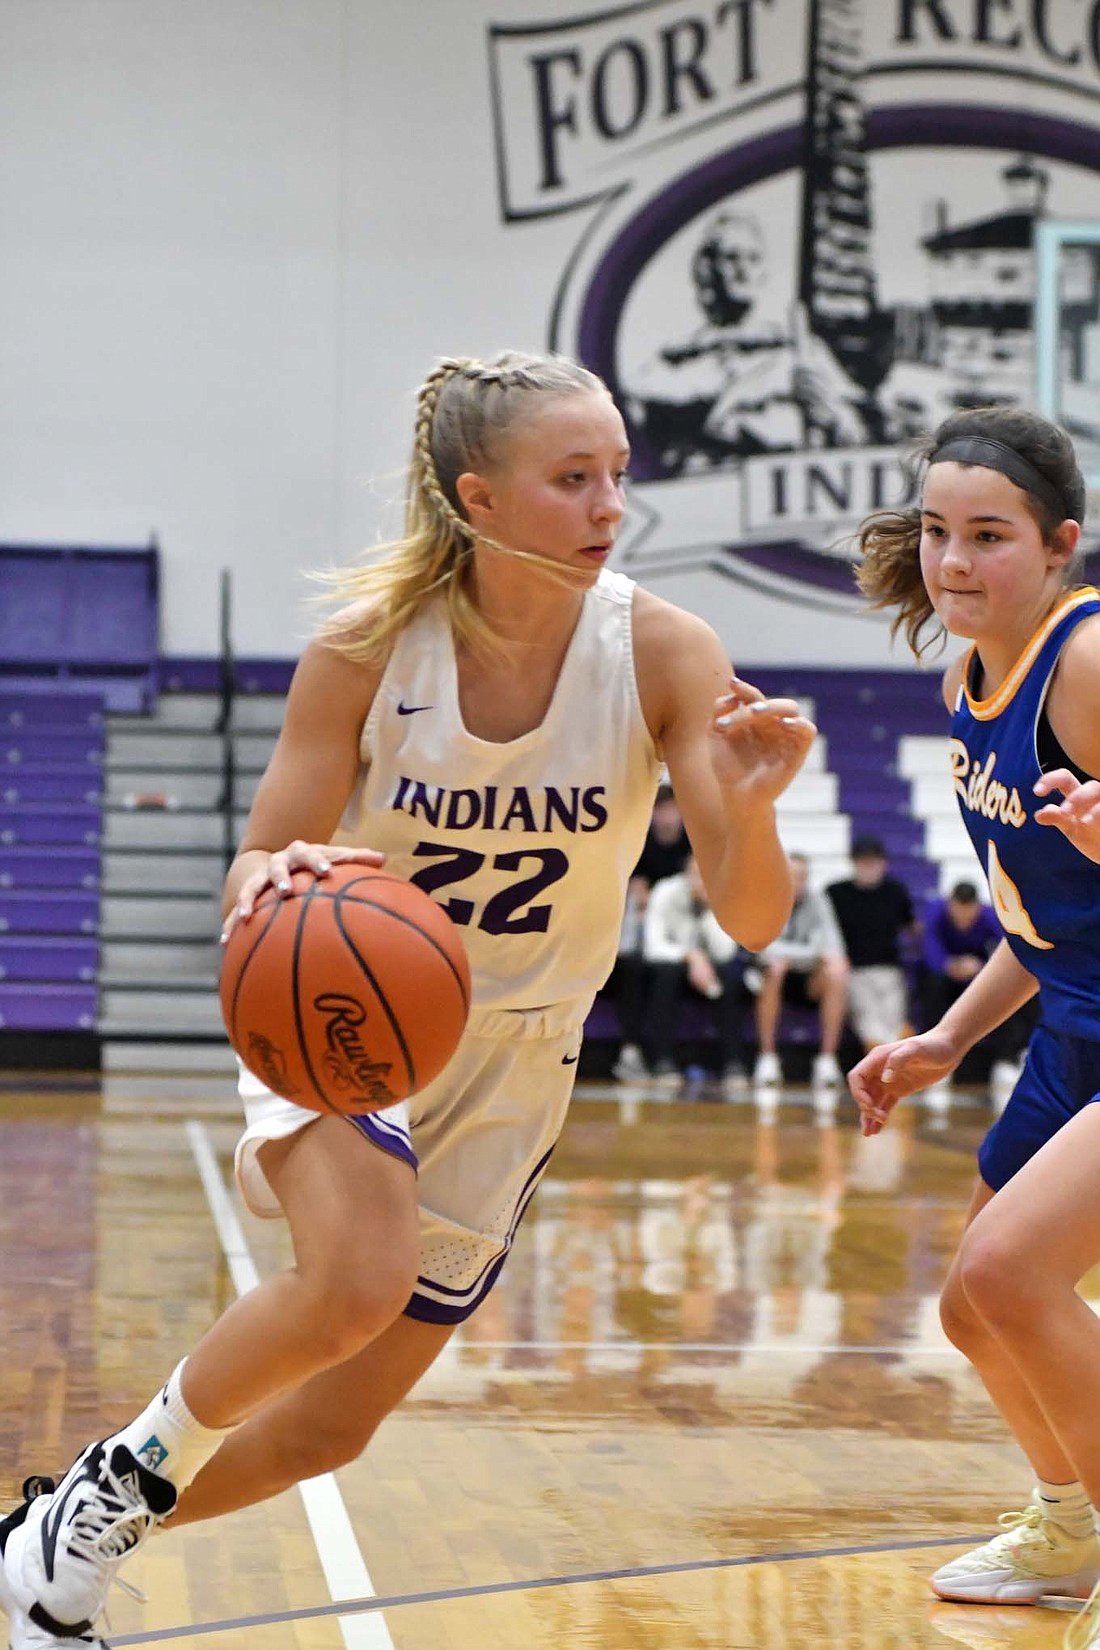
78, 639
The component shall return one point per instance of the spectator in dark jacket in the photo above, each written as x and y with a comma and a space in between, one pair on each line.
960, 935
664, 854
875, 914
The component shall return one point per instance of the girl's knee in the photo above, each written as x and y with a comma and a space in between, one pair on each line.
998, 1289
351, 1309
960, 1323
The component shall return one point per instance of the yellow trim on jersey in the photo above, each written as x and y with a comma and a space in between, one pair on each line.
984, 710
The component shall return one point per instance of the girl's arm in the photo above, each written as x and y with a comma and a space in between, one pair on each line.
893, 1070
730, 753
308, 780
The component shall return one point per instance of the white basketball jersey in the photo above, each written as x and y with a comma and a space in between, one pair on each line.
528, 845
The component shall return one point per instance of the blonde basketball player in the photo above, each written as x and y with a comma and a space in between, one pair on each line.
489, 710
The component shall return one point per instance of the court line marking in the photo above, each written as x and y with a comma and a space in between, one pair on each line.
584, 1578
342, 1562
767, 1348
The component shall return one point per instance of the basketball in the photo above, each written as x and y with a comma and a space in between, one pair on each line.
348, 994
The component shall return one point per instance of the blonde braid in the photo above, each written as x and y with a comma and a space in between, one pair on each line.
426, 402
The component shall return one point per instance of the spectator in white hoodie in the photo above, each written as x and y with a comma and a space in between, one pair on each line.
807, 966
688, 954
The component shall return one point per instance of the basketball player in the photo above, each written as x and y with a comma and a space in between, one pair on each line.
489, 711
992, 555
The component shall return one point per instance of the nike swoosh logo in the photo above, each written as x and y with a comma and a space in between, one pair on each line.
411, 710
569, 1059
52, 1521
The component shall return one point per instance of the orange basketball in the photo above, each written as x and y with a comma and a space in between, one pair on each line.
348, 994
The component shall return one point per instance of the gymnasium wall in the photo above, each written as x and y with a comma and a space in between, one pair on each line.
236, 233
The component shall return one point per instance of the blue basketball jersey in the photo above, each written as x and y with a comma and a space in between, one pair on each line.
1044, 890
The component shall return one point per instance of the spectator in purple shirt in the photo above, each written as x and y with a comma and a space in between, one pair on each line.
960, 934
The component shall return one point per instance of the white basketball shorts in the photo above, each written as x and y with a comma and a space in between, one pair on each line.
479, 1138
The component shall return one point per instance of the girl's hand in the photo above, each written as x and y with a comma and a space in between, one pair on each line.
893, 1070
1078, 817
757, 744
297, 856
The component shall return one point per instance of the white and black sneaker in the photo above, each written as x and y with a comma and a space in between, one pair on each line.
63, 1549
26, 1633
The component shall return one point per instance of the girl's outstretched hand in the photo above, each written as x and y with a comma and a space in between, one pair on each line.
893, 1070
1077, 816
296, 856
757, 744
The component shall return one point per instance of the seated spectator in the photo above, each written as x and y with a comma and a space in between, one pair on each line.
689, 954
875, 913
805, 965
664, 854
960, 935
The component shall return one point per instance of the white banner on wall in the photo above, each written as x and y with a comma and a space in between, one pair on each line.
804, 234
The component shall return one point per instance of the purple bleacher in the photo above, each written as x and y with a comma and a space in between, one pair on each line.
62, 867
29, 825
84, 748
48, 709
797, 1026
38, 1007
52, 751
49, 910
76, 615
35, 784
49, 958
862, 715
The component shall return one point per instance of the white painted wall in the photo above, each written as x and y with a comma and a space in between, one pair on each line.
235, 234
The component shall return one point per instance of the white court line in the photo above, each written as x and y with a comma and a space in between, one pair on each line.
770, 1349
337, 1548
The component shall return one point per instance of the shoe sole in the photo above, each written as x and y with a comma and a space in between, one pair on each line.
1017, 1592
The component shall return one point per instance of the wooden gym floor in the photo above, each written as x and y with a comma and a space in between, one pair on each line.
709, 1405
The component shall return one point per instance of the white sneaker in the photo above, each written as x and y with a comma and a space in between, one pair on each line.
826, 1076
767, 1072
1033, 1556
60, 1559
24, 1632
630, 1067
667, 1078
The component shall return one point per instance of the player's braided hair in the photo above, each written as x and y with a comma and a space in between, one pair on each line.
889, 541
465, 409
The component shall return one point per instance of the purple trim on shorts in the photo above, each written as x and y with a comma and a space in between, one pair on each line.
386, 1137
426, 1310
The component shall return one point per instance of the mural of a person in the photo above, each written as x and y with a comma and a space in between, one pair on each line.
739, 383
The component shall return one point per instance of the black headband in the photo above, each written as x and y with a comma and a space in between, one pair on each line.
994, 455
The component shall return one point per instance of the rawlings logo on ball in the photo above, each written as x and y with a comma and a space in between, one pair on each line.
269, 1064
348, 1063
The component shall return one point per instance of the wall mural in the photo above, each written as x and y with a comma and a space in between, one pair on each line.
784, 264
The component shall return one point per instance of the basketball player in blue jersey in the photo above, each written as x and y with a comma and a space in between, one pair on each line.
488, 711
992, 556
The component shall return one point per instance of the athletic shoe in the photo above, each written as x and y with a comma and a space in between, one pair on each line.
1032, 1557
1083, 1633
666, 1077
630, 1067
826, 1075
32, 1628
767, 1072
60, 1557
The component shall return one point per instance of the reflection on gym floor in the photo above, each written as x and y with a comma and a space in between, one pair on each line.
709, 1404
